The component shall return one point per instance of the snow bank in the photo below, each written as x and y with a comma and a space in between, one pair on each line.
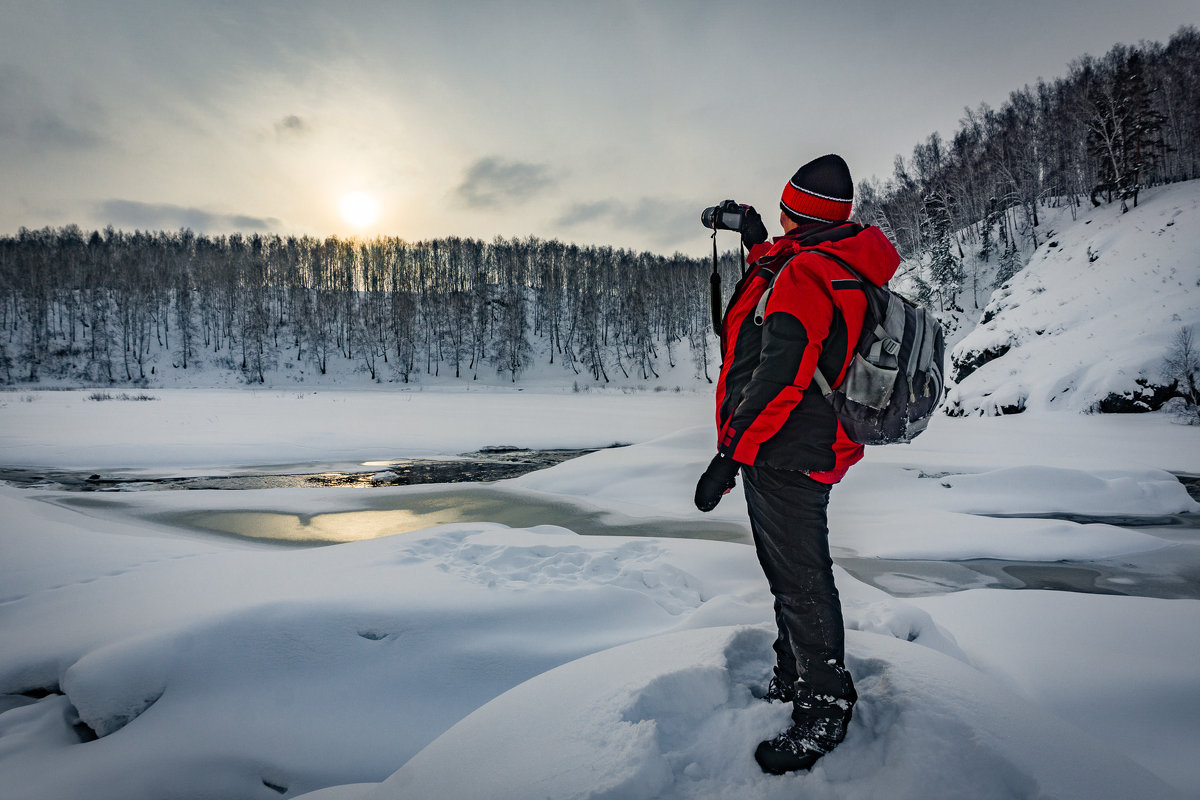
213, 430
1041, 490
931, 511
919, 514
676, 717
1122, 668
655, 478
1092, 314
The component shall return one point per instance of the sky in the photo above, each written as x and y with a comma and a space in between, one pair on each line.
611, 123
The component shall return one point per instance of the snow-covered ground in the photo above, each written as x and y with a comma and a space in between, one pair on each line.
1094, 312
474, 660
189, 431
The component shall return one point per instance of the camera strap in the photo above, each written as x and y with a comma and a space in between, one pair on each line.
714, 284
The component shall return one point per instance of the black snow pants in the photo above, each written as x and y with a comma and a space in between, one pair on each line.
788, 514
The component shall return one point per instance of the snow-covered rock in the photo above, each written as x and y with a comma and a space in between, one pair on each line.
1086, 325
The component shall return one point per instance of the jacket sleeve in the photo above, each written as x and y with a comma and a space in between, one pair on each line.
798, 317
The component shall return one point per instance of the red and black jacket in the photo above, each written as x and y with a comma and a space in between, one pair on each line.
769, 410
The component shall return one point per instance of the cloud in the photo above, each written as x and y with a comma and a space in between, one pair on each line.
663, 221
165, 216
26, 117
491, 182
291, 125
583, 213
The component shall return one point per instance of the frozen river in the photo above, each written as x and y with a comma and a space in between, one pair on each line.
449, 491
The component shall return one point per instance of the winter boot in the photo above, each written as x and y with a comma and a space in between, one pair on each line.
779, 691
816, 732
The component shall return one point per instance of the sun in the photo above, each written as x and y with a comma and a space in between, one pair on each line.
359, 209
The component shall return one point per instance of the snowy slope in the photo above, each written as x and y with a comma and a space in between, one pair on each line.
980, 274
1090, 318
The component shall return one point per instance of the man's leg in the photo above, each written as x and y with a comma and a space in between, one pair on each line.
788, 513
786, 672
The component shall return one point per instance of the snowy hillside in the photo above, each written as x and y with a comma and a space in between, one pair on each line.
1086, 325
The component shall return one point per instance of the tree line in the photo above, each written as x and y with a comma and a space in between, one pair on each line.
115, 307
1111, 127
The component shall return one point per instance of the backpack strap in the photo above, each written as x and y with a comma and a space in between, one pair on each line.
822, 384
886, 341
760, 310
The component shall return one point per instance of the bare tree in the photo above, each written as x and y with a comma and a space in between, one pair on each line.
1181, 366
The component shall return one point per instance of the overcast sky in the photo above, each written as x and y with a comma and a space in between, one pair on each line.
598, 123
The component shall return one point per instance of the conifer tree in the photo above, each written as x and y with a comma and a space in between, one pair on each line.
945, 268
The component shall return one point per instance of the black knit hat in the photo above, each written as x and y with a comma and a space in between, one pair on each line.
820, 191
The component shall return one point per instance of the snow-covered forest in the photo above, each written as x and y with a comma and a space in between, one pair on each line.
124, 308
1113, 126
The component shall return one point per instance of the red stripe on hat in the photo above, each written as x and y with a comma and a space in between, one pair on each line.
807, 204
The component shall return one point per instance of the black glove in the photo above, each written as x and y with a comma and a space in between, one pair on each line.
753, 230
717, 480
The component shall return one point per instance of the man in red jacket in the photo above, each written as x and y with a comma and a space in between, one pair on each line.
774, 424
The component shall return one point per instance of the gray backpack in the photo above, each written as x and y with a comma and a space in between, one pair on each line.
894, 383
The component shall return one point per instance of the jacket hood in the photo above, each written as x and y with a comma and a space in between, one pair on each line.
867, 249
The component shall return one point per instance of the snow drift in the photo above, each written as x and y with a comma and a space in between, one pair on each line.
669, 718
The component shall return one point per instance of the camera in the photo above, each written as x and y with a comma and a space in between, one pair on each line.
728, 216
